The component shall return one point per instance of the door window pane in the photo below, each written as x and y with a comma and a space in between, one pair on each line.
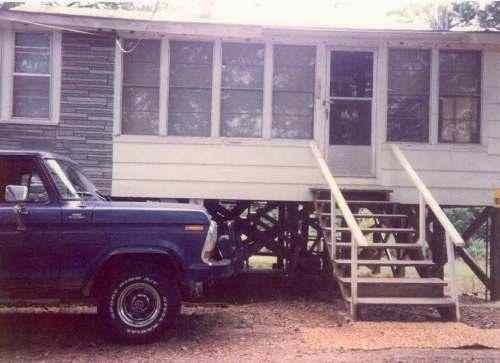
32, 75
190, 89
352, 125
352, 74
459, 96
408, 95
351, 84
293, 91
242, 89
22, 172
141, 87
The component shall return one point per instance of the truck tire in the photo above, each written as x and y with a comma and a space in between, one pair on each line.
138, 306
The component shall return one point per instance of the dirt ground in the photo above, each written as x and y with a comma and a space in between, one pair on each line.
259, 319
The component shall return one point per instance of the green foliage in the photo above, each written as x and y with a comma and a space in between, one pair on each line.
477, 248
489, 17
463, 217
445, 15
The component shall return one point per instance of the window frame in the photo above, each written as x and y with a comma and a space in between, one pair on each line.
8, 72
215, 134
42, 174
434, 96
480, 98
430, 96
271, 91
123, 85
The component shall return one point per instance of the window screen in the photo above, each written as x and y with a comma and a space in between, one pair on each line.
141, 86
190, 94
408, 95
293, 91
32, 75
242, 89
459, 96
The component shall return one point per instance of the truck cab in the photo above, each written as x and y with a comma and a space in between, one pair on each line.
61, 239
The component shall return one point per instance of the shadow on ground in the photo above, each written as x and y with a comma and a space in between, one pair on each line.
256, 311
40, 330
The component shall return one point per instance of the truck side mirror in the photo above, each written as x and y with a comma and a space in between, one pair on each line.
16, 193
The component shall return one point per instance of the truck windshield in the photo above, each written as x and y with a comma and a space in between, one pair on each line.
71, 183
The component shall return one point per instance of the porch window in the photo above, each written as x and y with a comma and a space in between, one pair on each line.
459, 96
141, 87
32, 75
242, 89
190, 89
408, 95
293, 91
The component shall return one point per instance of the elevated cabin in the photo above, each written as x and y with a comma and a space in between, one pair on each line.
224, 111
287, 116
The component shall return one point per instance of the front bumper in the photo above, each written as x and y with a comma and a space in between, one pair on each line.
201, 274
215, 271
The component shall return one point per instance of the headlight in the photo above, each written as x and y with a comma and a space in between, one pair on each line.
210, 243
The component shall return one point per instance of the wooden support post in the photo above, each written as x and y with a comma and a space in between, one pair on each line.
495, 254
438, 247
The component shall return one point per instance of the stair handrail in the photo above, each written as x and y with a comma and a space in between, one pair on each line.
452, 237
357, 236
426, 196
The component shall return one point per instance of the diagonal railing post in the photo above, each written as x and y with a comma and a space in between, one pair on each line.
426, 198
357, 237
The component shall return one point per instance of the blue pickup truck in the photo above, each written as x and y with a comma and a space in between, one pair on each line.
61, 239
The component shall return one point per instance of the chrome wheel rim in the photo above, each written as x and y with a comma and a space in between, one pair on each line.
139, 304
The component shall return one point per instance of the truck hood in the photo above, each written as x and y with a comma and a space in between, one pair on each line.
148, 212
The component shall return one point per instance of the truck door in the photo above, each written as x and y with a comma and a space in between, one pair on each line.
29, 257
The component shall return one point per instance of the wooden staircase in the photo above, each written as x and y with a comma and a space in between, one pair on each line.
376, 255
390, 239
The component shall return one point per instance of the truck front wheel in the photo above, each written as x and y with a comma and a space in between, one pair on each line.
138, 306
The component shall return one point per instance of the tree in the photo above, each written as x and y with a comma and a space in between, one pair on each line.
441, 15
446, 15
489, 17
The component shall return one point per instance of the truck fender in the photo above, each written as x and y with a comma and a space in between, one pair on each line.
90, 281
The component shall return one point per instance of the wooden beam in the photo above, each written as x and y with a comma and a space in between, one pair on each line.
478, 271
466, 256
476, 224
495, 254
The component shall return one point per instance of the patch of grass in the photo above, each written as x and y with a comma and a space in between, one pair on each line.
261, 262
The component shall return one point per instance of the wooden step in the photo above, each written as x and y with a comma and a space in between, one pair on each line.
396, 280
371, 202
396, 287
361, 202
367, 216
422, 301
354, 189
375, 230
403, 263
383, 245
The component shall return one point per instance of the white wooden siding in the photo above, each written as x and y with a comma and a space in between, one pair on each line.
218, 170
267, 169
456, 174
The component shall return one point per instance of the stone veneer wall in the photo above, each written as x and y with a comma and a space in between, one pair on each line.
85, 130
